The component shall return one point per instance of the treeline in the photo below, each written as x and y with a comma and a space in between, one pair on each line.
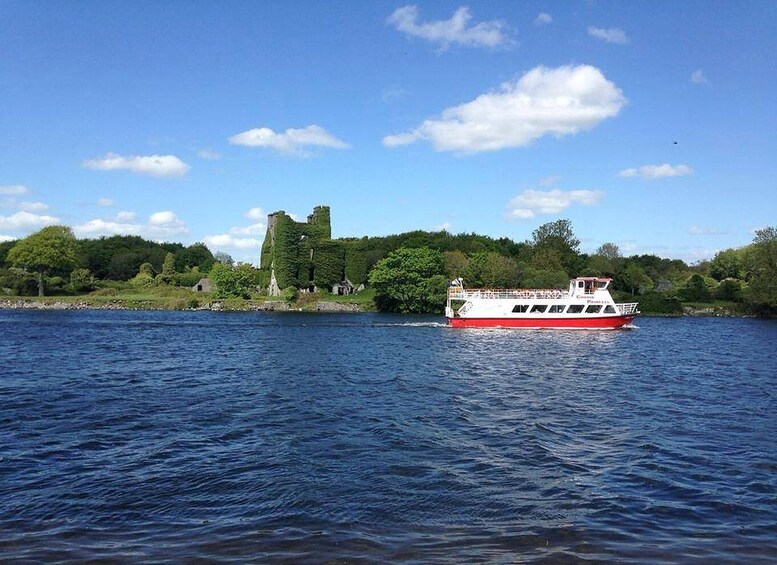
54, 260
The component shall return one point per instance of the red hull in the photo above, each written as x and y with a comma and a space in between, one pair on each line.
608, 323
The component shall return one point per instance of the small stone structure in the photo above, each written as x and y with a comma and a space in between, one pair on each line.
203, 285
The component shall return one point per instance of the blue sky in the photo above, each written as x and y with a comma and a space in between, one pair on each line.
650, 125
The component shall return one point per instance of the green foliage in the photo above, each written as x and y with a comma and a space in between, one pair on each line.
356, 263
761, 293
659, 303
635, 279
18, 282
50, 250
729, 289
225, 258
239, 281
286, 252
557, 239
727, 264
187, 279
82, 280
455, 264
696, 289
410, 281
5, 247
289, 294
540, 278
328, 264
168, 270
491, 270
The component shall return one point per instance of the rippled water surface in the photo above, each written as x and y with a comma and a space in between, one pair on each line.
156, 436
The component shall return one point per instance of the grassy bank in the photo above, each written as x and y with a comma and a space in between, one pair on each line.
176, 298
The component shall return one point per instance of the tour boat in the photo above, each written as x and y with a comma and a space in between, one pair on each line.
586, 305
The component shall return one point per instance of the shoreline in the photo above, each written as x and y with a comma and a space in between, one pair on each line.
234, 305
53, 303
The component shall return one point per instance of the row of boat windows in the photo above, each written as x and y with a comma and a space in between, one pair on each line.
559, 309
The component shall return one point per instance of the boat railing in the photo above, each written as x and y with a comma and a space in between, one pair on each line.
628, 308
458, 293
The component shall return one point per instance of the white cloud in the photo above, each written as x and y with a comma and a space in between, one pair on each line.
560, 101
153, 165
126, 216
532, 202
7, 238
445, 226
292, 141
611, 35
209, 154
543, 19
457, 30
105, 203
695, 230
160, 225
698, 77
33, 206
99, 227
13, 190
393, 94
256, 214
657, 171
26, 220
228, 241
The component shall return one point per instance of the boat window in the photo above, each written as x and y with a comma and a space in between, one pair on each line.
575, 308
580, 284
556, 309
538, 308
593, 309
602, 284
521, 308
609, 309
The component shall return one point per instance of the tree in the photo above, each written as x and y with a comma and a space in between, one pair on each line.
455, 263
762, 259
634, 278
410, 281
53, 248
558, 237
82, 280
609, 251
168, 269
223, 257
234, 282
726, 264
492, 270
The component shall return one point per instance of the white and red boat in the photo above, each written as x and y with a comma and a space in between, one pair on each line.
586, 305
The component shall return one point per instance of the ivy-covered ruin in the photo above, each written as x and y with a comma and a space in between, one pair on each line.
304, 256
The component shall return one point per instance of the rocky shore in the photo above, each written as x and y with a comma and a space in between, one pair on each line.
215, 305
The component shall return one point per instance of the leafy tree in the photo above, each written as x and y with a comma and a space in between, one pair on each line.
455, 263
609, 251
410, 281
492, 270
557, 239
168, 269
729, 289
726, 264
234, 282
541, 278
695, 289
82, 280
51, 249
634, 278
762, 259
223, 257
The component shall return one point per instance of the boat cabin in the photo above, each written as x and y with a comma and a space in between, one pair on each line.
587, 286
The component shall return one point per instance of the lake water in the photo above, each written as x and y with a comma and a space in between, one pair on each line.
181, 436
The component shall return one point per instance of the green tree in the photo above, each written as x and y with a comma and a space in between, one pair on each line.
168, 270
762, 259
455, 263
52, 249
726, 264
234, 282
635, 279
410, 281
82, 280
491, 270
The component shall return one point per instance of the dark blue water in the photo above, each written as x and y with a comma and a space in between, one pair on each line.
159, 436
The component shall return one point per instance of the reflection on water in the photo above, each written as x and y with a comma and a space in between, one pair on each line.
142, 436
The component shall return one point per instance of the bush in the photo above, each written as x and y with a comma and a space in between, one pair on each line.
659, 303
81, 280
